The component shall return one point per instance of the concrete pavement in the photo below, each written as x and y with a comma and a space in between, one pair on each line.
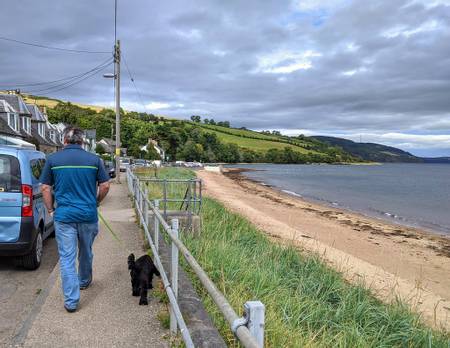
19, 289
108, 315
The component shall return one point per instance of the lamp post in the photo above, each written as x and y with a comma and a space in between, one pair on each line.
116, 77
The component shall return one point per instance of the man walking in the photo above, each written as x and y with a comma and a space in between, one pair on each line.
74, 174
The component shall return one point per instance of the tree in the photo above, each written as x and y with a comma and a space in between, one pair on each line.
212, 122
224, 124
191, 151
206, 121
289, 156
195, 118
273, 156
134, 151
151, 154
100, 149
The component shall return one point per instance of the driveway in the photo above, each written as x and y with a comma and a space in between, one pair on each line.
19, 289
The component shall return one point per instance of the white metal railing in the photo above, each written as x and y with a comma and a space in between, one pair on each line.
249, 329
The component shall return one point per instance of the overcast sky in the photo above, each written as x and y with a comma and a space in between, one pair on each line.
375, 70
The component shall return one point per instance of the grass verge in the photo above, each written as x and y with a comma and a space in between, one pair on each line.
307, 303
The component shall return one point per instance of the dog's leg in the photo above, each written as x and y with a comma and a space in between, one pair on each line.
135, 286
150, 281
143, 292
134, 282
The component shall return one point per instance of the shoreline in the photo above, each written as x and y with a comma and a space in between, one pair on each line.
236, 174
392, 260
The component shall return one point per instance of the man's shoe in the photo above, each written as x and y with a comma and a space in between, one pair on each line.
84, 287
70, 310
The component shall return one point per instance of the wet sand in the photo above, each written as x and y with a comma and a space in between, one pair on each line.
393, 260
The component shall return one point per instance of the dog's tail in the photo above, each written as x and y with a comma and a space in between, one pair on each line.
131, 261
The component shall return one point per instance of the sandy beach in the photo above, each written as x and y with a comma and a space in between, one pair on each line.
392, 260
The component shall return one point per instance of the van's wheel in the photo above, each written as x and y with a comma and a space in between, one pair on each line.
32, 261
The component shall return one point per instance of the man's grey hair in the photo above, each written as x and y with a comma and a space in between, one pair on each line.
73, 135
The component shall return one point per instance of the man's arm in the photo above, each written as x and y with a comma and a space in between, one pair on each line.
48, 197
103, 182
103, 190
46, 180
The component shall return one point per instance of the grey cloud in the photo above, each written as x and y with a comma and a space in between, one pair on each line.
205, 55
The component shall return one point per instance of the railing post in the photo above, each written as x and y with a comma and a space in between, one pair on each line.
165, 198
189, 205
255, 313
156, 225
145, 202
174, 276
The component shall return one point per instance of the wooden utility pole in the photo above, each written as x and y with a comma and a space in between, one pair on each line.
117, 85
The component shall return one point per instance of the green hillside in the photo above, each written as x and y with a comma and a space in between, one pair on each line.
254, 140
195, 141
370, 151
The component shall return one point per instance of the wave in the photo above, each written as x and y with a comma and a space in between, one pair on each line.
292, 193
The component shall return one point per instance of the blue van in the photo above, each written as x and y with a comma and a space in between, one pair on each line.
24, 220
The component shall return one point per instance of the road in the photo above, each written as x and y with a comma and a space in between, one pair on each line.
19, 289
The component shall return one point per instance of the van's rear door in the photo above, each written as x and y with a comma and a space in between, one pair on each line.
10, 198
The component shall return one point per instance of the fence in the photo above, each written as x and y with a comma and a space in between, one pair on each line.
179, 196
249, 329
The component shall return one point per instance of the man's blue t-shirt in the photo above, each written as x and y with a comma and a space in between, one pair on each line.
74, 174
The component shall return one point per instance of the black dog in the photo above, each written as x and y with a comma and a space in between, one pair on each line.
141, 271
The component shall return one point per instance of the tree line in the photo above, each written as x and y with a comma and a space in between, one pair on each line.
180, 140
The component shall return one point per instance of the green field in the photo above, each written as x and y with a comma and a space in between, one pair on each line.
307, 303
253, 140
241, 132
257, 144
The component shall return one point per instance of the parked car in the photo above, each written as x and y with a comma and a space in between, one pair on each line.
139, 163
110, 168
125, 162
24, 220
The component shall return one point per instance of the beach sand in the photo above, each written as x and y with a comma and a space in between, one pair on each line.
392, 260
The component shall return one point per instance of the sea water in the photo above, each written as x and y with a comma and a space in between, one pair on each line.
408, 194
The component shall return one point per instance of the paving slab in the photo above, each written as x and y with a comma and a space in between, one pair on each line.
108, 315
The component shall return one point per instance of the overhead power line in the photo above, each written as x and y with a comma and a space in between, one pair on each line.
53, 48
134, 83
73, 81
33, 84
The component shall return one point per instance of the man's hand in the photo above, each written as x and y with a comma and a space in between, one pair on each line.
103, 189
48, 198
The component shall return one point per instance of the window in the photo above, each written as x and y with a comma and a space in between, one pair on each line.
37, 165
26, 124
13, 121
52, 135
41, 129
9, 174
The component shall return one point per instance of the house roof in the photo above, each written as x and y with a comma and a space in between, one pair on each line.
16, 102
36, 113
35, 134
108, 141
6, 107
5, 129
60, 126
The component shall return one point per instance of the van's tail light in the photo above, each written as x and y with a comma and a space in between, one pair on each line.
27, 200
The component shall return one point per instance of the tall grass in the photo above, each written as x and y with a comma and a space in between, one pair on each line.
307, 303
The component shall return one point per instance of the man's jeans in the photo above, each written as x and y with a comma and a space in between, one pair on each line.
68, 237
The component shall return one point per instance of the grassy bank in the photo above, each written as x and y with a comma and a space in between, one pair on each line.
307, 303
